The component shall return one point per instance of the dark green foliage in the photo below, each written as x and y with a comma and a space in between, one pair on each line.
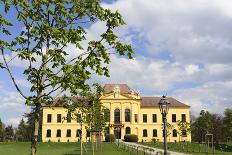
131, 138
228, 123
2, 131
9, 133
110, 138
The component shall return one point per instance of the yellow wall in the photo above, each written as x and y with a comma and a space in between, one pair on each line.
122, 102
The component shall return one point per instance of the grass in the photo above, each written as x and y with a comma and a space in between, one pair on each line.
193, 148
23, 148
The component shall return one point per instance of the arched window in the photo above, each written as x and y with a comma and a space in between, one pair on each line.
117, 115
174, 133
127, 115
128, 130
107, 115
79, 132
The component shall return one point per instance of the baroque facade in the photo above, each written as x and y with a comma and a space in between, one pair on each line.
126, 113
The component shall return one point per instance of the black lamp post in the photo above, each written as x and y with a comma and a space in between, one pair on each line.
164, 107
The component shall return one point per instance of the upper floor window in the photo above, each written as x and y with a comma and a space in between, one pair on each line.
127, 115
144, 118
128, 130
68, 134
48, 133
117, 115
154, 132
107, 115
183, 117
154, 118
136, 118
173, 117
58, 118
144, 132
69, 117
58, 133
174, 133
49, 118
79, 132
78, 118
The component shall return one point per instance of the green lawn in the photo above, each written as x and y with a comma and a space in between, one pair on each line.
194, 148
21, 148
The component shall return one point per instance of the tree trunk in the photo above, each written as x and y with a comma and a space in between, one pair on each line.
34, 138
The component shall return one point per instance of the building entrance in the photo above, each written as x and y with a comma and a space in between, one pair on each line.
117, 132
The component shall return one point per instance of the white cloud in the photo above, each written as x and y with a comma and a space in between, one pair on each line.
13, 121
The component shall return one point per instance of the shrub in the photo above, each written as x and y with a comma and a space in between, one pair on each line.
131, 138
110, 138
153, 140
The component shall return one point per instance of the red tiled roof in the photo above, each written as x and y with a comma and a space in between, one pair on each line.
154, 102
124, 88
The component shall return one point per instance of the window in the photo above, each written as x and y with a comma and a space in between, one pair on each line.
183, 117
174, 133
144, 118
68, 134
107, 115
58, 133
69, 117
49, 118
144, 132
154, 118
48, 133
136, 118
184, 133
88, 134
173, 117
154, 132
127, 115
58, 118
78, 118
117, 115
107, 130
128, 130
79, 132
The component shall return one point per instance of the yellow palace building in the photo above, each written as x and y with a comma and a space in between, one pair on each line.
126, 113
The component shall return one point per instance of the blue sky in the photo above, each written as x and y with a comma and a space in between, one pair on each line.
183, 48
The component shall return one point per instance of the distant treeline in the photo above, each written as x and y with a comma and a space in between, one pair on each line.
21, 133
211, 123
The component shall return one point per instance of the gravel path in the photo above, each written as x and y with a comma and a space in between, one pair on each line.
150, 150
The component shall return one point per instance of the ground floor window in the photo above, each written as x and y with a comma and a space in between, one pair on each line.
58, 133
145, 133
79, 132
174, 133
154, 132
184, 133
128, 130
68, 134
48, 133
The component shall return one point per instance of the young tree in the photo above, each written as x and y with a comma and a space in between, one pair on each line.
2, 131
228, 123
9, 133
183, 129
49, 26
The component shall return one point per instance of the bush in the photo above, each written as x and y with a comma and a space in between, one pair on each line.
110, 138
153, 140
131, 138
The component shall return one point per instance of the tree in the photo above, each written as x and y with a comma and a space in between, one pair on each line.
9, 133
218, 129
228, 123
89, 107
49, 26
183, 129
22, 133
2, 131
202, 126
